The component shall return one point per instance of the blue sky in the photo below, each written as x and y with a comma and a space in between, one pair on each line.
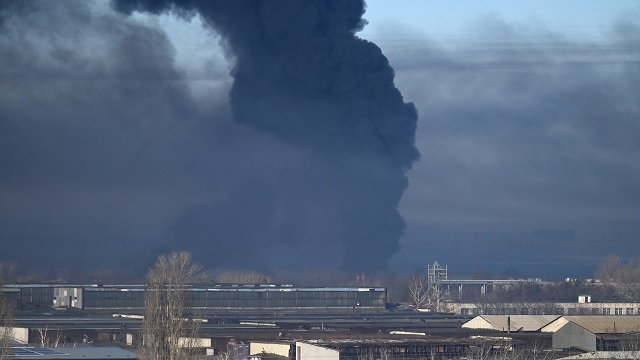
443, 20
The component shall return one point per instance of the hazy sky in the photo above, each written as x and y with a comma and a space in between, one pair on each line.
117, 138
529, 130
442, 20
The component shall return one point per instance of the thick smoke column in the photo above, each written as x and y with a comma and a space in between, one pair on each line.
302, 76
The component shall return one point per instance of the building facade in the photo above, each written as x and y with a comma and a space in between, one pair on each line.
228, 296
560, 308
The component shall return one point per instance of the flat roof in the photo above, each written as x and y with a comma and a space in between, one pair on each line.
518, 322
198, 287
607, 324
597, 324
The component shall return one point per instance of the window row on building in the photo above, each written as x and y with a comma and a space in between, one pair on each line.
549, 309
124, 297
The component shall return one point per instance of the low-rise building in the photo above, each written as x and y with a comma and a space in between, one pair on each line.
208, 296
586, 332
547, 308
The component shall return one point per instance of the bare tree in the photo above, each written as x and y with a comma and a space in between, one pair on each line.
609, 270
50, 340
624, 277
167, 334
6, 315
435, 297
418, 290
222, 356
425, 294
366, 353
492, 348
630, 344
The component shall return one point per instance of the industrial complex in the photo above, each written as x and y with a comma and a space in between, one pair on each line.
288, 322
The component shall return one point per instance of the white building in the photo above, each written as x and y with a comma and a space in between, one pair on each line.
583, 332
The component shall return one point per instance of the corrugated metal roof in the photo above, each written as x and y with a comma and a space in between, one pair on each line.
519, 322
597, 324
607, 324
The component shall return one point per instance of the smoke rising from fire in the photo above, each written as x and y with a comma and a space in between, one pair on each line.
301, 75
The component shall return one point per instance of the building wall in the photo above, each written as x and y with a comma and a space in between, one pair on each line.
288, 298
114, 297
109, 298
547, 309
477, 323
306, 351
17, 333
36, 296
194, 342
257, 348
573, 336
67, 297
12, 296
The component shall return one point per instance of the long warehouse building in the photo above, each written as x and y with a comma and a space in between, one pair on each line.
218, 296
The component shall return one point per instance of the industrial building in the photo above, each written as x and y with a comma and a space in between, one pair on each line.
357, 349
298, 350
586, 333
201, 297
547, 308
390, 348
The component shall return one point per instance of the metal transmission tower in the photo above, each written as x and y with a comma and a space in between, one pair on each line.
436, 272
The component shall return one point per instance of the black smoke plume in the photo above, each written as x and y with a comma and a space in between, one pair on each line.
302, 76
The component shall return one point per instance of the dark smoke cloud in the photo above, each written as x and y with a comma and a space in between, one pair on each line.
109, 159
301, 75
89, 136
